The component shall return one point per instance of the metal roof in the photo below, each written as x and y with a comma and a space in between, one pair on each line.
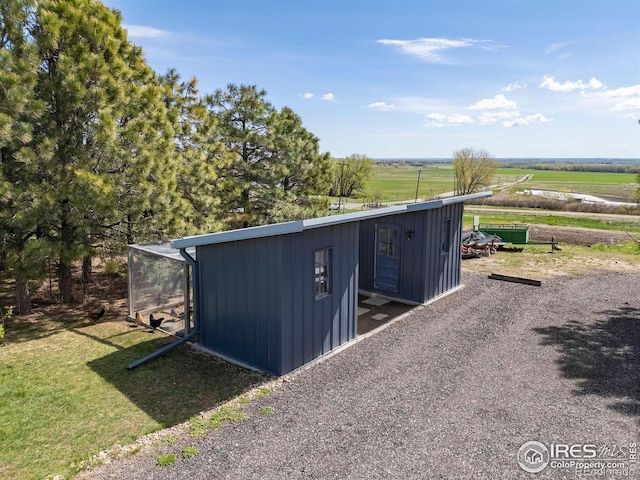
162, 249
300, 225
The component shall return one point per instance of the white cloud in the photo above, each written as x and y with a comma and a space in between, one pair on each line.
514, 86
489, 118
429, 49
459, 119
383, 106
623, 98
633, 91
306, 95
518, 122
438, 120
328, 96
554, 47
434, 120
528, 120
550, 83
537, 118
143, 31
628, 104
495, 103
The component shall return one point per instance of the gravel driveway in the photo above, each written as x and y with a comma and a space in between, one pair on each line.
450, 391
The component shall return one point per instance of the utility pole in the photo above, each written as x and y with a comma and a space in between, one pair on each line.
341, 186
417, 186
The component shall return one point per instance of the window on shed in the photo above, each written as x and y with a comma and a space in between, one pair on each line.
445, 246
388, 241
322, 261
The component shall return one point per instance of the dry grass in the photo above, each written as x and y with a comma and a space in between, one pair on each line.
537, 261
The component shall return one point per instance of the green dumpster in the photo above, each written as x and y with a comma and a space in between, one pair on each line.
517, 233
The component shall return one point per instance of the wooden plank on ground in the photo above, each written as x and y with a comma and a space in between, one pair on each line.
508, 278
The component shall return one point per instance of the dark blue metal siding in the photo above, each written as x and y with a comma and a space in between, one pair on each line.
240, 315
258, 300
312, 327
257, 296
424, 272
367, 255
442, 272
410, 249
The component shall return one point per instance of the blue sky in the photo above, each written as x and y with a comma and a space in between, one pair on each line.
418, 79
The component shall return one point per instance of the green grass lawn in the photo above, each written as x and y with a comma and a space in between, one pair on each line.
65, 392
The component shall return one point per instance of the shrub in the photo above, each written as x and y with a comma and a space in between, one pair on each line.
189, 452
165, 460
114, 267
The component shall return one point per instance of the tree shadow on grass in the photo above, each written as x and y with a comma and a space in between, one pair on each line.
603, 356
42, 324
176, 386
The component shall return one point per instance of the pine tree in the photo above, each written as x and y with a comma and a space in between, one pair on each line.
277, 164
22, 213
299, 172
202, 155
100, 163
242, 112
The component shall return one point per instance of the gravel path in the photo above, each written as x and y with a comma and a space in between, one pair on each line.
450, 391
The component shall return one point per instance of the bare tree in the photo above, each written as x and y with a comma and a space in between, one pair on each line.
473, 169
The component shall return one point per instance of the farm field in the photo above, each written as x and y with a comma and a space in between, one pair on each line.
395, 183
618, 185
398, 182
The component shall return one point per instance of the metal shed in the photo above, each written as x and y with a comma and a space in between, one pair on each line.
276, 297
413, 256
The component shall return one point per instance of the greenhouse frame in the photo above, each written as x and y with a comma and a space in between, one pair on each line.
160, 285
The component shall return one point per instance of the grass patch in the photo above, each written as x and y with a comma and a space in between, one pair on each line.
189, 452
263, 392
197, 427
629, 223
224, 415
267, 410
165, 460
65, 392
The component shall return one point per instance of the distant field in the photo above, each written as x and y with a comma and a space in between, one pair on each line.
392, 183
620, 185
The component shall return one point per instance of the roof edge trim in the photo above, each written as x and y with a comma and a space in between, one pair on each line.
240, 234
300, 225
